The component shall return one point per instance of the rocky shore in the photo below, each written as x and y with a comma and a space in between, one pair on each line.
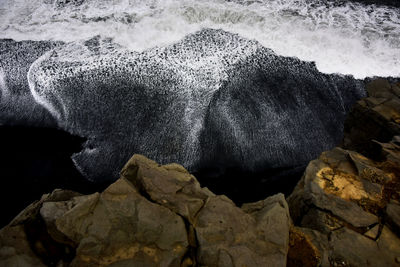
345, 211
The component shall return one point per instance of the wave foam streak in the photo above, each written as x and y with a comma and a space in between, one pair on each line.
348, 38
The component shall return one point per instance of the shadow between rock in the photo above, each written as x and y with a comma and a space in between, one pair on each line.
244, 187
35, 161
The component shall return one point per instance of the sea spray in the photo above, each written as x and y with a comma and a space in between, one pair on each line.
347, 38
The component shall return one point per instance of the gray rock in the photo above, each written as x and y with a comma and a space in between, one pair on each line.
33, 209
272, 216
389, 243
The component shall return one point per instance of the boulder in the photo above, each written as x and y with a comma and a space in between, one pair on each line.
331, 184
153, 215
347, 205
225, 235
121, 226
376, 117
256, 235
169, 185
25, 242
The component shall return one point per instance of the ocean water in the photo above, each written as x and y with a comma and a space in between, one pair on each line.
346, 38
212, 100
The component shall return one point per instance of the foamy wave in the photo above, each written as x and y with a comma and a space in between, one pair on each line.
348, 38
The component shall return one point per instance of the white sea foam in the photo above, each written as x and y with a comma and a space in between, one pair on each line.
349, 38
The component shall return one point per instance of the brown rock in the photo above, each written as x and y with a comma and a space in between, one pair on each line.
152, 216
373, 233
393, 215
302, 251
226, 235
376, 117
327, 187
15, 249
357, 250
119, 225
321, 242
257, 237
324, 222
169, 185
340, 203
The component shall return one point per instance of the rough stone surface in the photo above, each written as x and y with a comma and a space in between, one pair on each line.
376, 117
331, 186
226, 235
353, 249
152, 216
393, 215
169, 185
121, 225
23, 239
256, 235
15, 249
347, 206
302, 251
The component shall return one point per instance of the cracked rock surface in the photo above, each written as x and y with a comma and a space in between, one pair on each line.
347, 205
376, 117
152, 216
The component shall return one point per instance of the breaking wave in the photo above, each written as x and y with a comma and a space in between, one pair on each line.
347, 38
